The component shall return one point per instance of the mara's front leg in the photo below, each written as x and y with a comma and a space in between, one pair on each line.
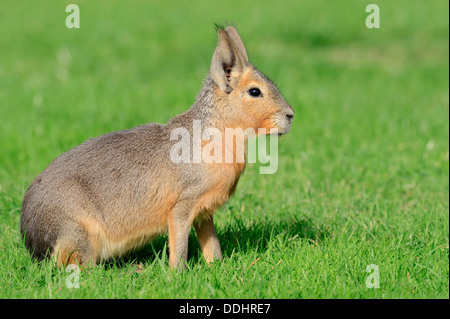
207, 238
179, 225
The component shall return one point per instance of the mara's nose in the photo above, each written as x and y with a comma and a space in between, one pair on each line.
290, 113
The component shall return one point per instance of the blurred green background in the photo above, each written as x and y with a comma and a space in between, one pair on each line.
366, 160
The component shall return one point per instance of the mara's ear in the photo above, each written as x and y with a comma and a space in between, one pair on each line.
228, 62
234, 36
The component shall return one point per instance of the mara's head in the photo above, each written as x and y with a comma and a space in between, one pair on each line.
248, 98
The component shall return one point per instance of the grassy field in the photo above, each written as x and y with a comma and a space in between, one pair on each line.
363, 176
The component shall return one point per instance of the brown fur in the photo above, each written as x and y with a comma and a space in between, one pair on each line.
116, 192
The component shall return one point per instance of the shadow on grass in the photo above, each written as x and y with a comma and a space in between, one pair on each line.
238, 236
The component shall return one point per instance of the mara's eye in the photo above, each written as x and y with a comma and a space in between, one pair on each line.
255, 92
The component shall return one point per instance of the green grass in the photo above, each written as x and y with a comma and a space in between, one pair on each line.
363, 176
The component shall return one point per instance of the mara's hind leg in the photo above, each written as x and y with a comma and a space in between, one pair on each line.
65, 255
74, 247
